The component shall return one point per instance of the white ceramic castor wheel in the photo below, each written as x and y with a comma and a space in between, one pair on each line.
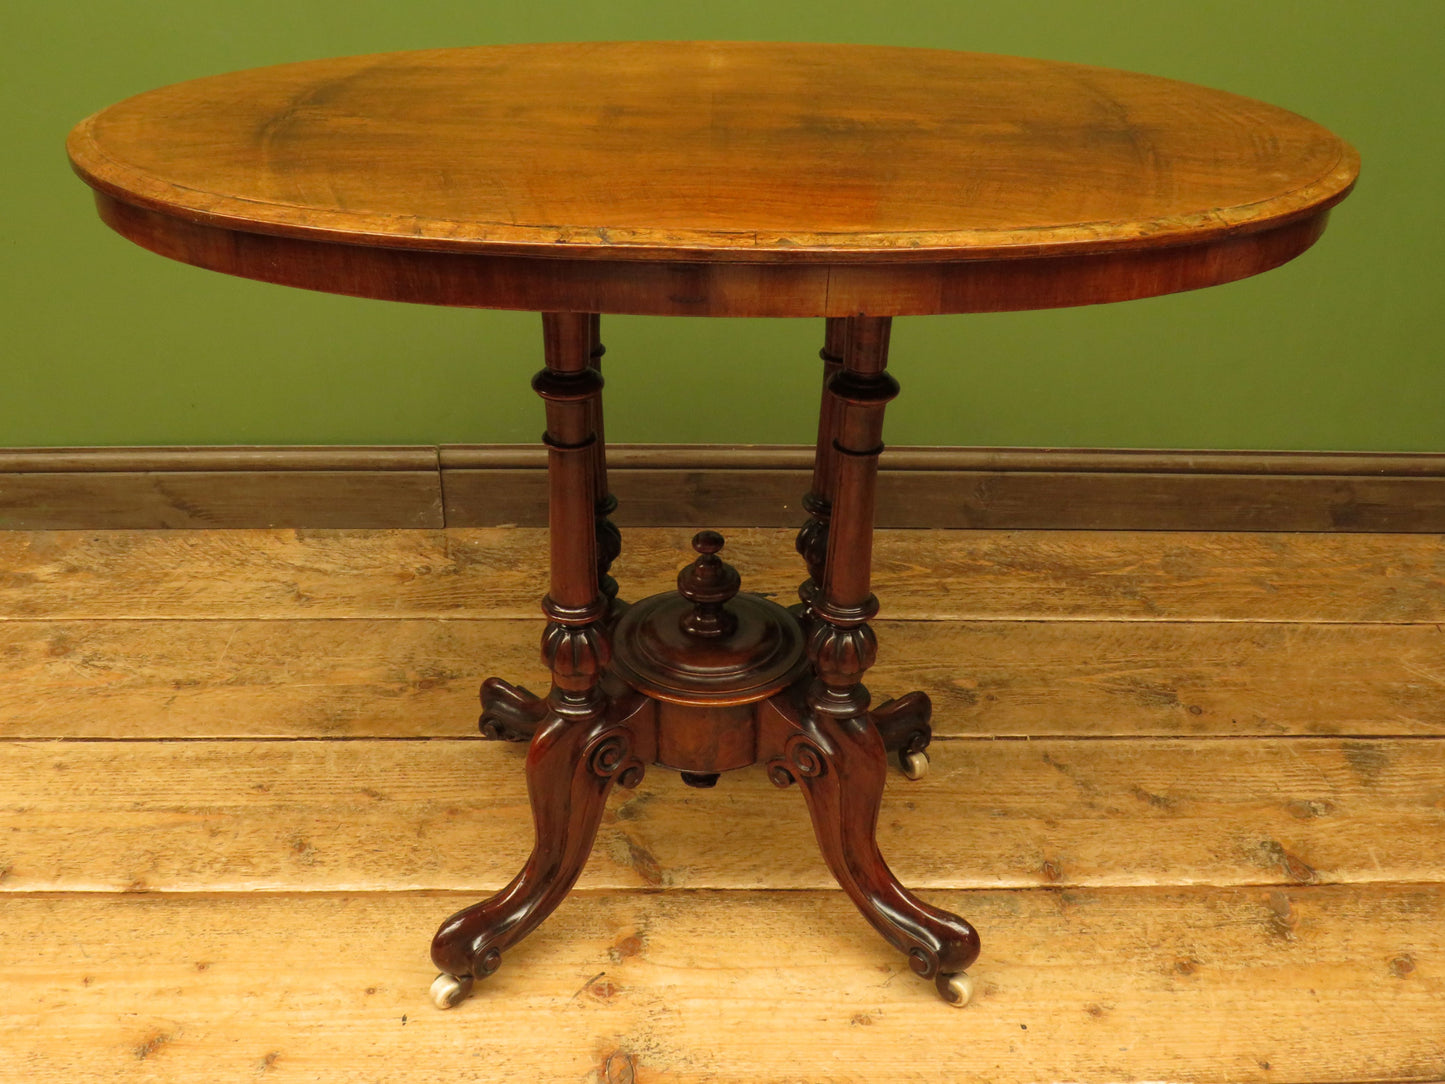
957, 989
915, 765
448, 990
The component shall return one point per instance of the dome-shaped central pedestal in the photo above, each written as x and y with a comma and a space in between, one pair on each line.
705, 643
655, 654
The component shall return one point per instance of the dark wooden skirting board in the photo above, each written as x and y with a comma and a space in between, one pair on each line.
719, 485
147, 488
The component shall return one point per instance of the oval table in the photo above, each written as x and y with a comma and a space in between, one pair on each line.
712, 179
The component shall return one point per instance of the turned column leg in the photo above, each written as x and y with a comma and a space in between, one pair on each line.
584, 741
834, 730
849, 441
512, 712
843, 604
571, 386
609, 538
812, 543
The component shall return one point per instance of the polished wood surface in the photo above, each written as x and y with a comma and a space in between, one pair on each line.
718, 150
907, 175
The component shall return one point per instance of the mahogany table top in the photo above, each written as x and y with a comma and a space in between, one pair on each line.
715, 178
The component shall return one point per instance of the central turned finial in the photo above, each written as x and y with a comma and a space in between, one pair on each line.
708, 583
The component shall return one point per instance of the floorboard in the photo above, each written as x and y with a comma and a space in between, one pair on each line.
374, 816
918, 575
1318, 984
1189, 786
419, 678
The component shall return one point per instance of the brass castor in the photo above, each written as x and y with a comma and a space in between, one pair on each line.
915, 765
956, 989
448, 990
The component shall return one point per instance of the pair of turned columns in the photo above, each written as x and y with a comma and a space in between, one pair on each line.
707, 679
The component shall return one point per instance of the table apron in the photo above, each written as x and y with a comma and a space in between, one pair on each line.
721, 288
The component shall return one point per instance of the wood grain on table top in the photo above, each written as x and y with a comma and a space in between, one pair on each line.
676, 151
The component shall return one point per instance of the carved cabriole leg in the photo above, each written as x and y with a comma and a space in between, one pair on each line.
840, 767
834, 726
586, 739
572, 764
812, 543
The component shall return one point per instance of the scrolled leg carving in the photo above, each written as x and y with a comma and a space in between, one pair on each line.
510, 712
579, 752
840, 765
904, 725
610, 757
801, 758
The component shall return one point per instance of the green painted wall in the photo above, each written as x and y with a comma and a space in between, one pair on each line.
103, 343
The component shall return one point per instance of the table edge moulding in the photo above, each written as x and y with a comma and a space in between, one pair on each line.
712, 179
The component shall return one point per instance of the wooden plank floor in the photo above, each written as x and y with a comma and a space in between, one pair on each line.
1190, 787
